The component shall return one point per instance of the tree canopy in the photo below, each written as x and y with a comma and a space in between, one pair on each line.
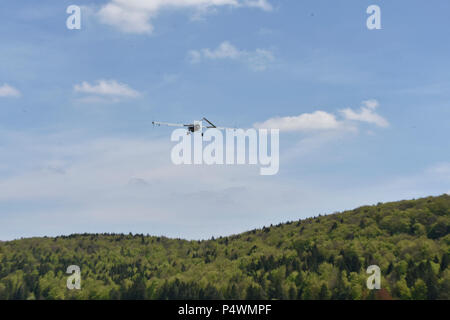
325, 257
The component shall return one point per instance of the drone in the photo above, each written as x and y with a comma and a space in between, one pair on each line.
196, 126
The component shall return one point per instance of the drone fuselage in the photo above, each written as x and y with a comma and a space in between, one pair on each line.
197, 126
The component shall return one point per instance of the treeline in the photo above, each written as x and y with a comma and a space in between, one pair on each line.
325, 257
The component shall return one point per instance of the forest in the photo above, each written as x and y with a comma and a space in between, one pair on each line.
324, 257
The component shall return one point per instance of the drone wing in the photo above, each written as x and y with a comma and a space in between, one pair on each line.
212, 125
222, 128
157, 123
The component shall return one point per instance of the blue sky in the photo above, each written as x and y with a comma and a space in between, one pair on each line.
79, 154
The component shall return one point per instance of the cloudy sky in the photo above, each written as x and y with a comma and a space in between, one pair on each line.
364, 114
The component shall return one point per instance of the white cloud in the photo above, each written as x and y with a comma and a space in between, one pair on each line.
169, 78
225, 51
318, 120
7, 91
440, 169
107, 88
257, 60
100, 184
135, 16
260, 4
366, 114
325, 121
129, 183
266, 31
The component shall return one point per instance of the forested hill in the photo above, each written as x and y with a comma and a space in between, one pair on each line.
318, 258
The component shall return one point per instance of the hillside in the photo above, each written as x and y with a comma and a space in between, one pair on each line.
318, 258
